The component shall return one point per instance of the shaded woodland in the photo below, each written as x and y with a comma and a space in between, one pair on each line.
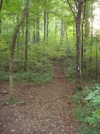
36, 36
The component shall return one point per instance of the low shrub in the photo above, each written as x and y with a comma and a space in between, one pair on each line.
88, 110
38, 72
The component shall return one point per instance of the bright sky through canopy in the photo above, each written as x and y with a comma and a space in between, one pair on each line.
96, 22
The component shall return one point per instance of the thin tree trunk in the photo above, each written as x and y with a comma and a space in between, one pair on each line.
62, 33
67, 41
37, 28
1, 2
91, 33
45, 25
91, 42
87, 22
17, 42
96, 62
11, 60
82, 50
26, 44
34, 31
82, 28
45, 29
56, 29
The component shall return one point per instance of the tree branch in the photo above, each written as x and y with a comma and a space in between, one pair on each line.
72, 8
1, 1
18, 26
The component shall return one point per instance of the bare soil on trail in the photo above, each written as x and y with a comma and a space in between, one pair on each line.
48, 108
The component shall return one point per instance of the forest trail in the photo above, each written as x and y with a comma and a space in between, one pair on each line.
48, 109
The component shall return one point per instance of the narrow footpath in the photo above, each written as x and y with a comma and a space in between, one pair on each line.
47, 109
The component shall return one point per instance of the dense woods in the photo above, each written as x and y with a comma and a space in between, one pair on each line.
36, 33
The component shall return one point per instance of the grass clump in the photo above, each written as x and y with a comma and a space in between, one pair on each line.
12, 101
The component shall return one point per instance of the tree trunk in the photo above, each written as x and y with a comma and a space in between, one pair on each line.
11, 60
56, 29
1, 2
77, 17
34, 31
45, 25
26, 44
96, 61
78, 46
82, 50
87, 22
61, 32
82, 29
67, 41
37, 28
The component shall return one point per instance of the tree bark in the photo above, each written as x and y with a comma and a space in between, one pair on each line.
26, 44
34, 31
37, 28
11, 60
56, 29
82, 27
1, 2
78, 47
45, 25
61, 32
77, 16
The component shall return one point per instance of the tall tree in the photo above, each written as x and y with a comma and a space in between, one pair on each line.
77, 11
62, 32
11, 61
46, 22
26, 43
45, 25
1, 2
82, 27
37, 28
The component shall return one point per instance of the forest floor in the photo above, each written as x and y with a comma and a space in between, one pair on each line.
47, 109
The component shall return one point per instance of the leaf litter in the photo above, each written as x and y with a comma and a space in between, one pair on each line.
46, 109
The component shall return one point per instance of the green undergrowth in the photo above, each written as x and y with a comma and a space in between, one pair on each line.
88, 110
12, 101
68, 65
39, 71
89, 71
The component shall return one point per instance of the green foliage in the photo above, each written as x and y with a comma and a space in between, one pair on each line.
88, 111
4, 76
69, 65
84, 129
56, 51
11, 101
39, 71
93, 99
81, 112
4, 51
78, 98
4, 61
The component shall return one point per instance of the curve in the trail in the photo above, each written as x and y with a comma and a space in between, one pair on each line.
48, 109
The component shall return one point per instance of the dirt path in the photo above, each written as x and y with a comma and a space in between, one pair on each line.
48, 109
